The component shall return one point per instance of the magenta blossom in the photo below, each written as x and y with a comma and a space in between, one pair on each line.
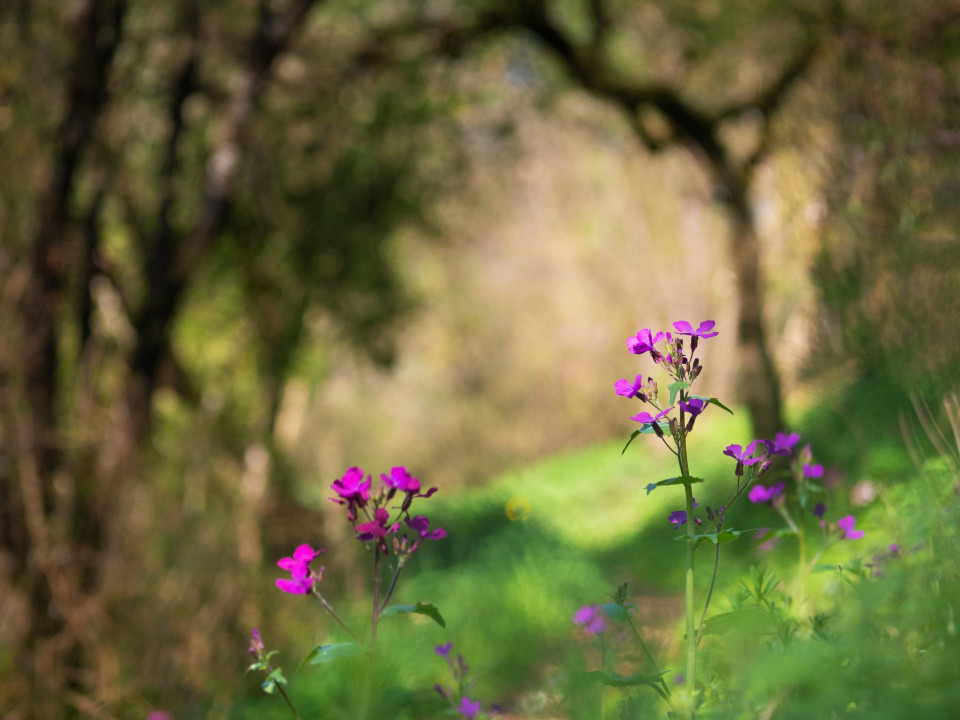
742, 456
648, 419
468, 707
846, 524
401, 480
813, 471
628, 389
302, 579
761, 494
644, 342
783, 443
590, 618
420, 523
353, 491
685, 328
376, 528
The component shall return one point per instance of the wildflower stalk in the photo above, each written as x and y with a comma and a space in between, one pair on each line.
329, 609
374, 619
653, 663
713, 581
691, 544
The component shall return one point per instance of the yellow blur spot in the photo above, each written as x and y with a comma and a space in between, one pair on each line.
518, 508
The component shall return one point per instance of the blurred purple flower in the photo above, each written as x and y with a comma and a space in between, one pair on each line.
685, 328
846, 524
782, 443
256, 644
819, 510
590, 618
678, 518
353, 491
160, 715
468, 707
813, 471
761, 494
444, 650
376, 528
420, 523
400, 479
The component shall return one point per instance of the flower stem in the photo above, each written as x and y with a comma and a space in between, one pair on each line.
393, 585
688, 591
713, 581
646, 652
329, 609
374, 618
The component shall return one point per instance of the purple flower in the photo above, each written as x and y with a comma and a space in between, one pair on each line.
353, 490
468, 707
783, 443
301, 580
644, 342
628, 389
819, 510
678, 518
420, 523
694, 405
761, 494
813, 471
444, 650
846, 524
590, 618
376, 528
742, 456
685, 328
648, 419
400, 479
256, 644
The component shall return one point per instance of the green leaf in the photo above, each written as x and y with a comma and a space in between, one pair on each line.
715, 538
746, 620
714, 401
616, 680
617, 613
420, 609
326, 653
633, 436
676, 387
273, 680
681, 480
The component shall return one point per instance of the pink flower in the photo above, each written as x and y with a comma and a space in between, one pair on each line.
846, 524
302, 579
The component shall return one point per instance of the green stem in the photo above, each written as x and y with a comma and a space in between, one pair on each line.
713, 581
688, 592
329, 609
287, 700
646, 652
374, 618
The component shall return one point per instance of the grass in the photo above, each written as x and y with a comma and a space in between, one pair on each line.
508, 587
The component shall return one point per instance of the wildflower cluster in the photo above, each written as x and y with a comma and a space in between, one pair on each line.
364, 502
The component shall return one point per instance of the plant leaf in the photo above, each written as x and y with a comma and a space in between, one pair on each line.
633, 436
676, 387
420, 609
616, 680
714, 401
617, 613
681, 480
750, 619
716, 538
326, 653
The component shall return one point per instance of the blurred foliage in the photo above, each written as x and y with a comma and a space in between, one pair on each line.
889, 266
